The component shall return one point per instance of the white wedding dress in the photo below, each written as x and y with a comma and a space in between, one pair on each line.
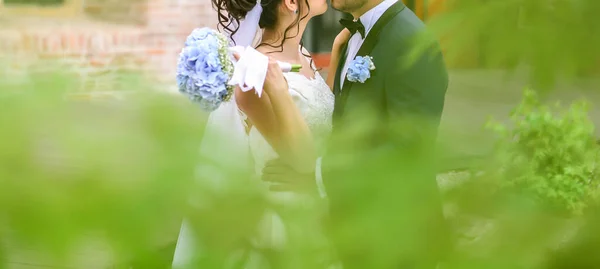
315, 101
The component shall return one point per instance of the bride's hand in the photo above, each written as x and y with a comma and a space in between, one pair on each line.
342, 38
275, 82
336, 53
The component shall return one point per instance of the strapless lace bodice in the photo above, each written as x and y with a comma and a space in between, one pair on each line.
315, 101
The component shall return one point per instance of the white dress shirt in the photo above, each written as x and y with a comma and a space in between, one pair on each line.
368, 20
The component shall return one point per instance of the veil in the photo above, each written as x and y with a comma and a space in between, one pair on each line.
225, 142
225, 132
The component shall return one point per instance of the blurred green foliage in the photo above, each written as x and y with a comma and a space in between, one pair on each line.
72, 169
524, 204
123, 172
552, 40
549, 151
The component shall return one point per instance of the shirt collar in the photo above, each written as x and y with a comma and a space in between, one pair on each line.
370, 17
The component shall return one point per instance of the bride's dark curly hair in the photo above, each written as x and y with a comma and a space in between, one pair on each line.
230, 13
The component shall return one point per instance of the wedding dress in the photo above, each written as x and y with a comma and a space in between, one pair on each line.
315, 101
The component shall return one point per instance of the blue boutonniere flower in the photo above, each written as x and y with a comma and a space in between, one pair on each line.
360, 69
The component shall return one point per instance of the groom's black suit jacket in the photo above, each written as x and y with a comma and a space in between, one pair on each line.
379, 169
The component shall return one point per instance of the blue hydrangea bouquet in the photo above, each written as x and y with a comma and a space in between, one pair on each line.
205, 67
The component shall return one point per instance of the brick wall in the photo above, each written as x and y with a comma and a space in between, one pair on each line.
106, 37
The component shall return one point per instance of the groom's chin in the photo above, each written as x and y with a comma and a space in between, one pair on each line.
337, 5
333, 5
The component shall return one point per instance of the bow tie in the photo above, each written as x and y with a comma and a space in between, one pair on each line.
354, 26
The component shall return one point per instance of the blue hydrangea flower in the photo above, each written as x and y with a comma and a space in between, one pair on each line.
198, 34
359, 70
204, 68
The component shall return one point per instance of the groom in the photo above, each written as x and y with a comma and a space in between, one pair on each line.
378, 175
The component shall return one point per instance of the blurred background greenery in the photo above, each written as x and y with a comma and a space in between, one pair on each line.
102, 179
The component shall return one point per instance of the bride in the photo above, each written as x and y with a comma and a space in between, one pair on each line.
292, 119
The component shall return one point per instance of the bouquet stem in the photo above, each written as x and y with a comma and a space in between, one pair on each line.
287, 67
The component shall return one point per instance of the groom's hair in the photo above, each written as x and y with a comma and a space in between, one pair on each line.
230, 12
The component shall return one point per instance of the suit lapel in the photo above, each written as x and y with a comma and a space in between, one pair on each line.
366, 48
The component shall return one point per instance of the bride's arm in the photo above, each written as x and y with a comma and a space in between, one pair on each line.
277, 118
336, 55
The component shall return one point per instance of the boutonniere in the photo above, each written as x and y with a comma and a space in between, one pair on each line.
360, 69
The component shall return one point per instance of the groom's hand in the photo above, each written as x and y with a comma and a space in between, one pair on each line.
285, 178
